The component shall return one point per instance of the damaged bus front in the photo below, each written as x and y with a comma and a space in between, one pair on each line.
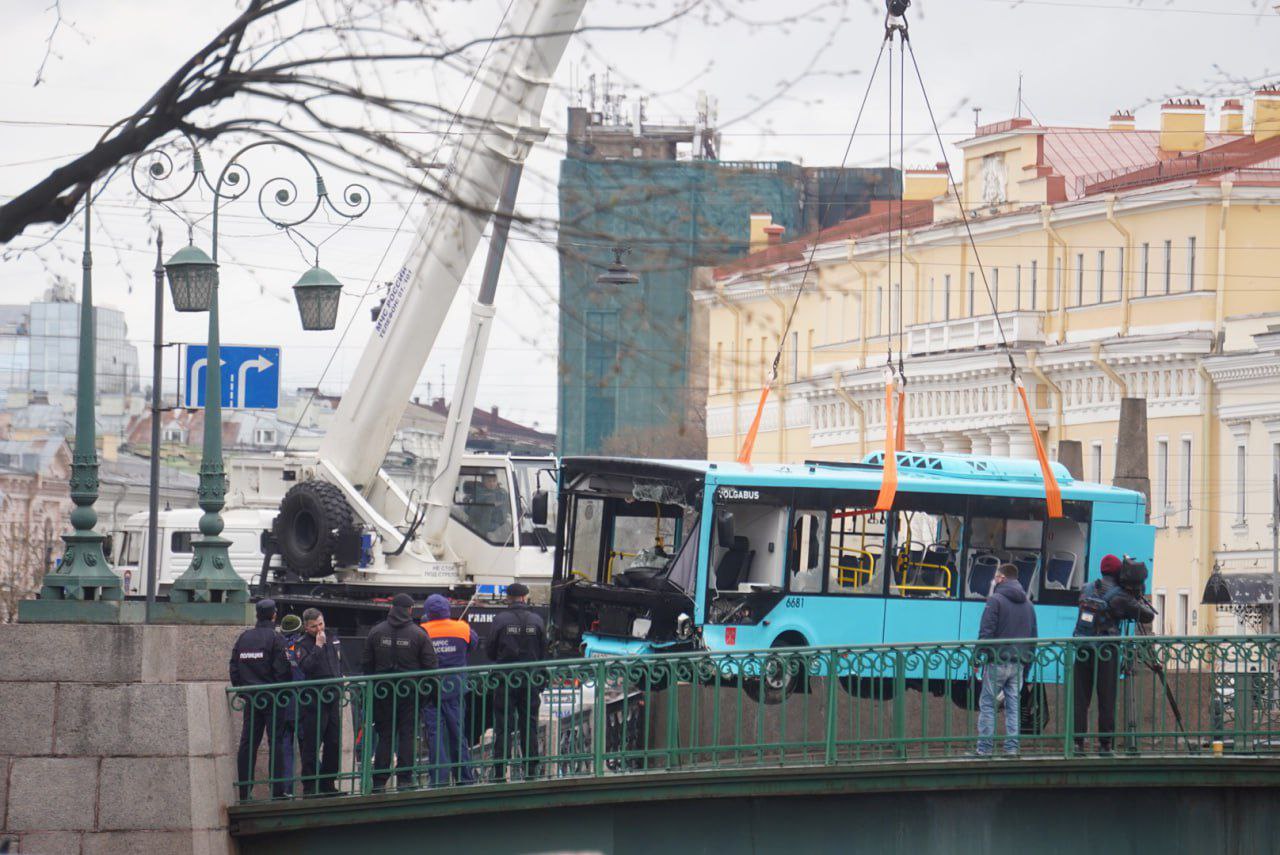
626, 556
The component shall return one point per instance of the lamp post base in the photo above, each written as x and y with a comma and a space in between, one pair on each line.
82, 589
203, 614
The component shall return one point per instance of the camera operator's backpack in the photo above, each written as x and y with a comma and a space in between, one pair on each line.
1094, 617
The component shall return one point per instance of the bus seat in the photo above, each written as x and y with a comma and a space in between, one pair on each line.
1027, 564
734, 565
1061, 567
982, 572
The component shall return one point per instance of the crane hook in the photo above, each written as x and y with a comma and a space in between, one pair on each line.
894, 19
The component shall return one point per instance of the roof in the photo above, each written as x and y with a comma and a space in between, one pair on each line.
884, 215
488, 421
1226, 155
917, 472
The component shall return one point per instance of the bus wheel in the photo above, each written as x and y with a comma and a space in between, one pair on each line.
781, 674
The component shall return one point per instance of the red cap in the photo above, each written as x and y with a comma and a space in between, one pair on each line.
1110, 565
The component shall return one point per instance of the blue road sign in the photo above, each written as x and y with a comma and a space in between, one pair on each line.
250, 376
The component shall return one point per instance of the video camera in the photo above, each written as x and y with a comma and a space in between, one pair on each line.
1132, 576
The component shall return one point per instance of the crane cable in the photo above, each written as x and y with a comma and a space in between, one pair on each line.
748, 442
895, 383
1053, 493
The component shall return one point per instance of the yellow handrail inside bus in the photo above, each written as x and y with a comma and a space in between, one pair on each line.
608, 567
851, 581
905, 563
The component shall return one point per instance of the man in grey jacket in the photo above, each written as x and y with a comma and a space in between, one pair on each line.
1009, 614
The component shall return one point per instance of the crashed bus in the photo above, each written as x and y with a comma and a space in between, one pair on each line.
669, 555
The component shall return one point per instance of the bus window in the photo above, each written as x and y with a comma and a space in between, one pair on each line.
927, 540
648, 536
587, 518
857, 552
805, 567
1004, 531
1066, 553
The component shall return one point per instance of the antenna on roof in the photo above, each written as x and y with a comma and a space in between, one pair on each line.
976, 111
1018, 109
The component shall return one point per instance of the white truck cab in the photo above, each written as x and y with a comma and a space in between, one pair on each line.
176, 531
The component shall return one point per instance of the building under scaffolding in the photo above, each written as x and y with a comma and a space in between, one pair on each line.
626, 383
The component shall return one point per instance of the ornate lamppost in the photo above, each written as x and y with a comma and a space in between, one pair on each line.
210, 590
83, 588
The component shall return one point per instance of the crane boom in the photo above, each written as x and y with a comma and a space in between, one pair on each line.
506, 104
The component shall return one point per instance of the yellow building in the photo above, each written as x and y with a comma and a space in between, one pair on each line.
1124, 262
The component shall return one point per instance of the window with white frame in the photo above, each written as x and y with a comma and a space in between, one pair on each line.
1162, 625
795, 357
1017, 289
946, 297
1095, 463
995, 290
1034, 285
718, 371
1191, 263
1185, 498
1241, 465
879, 310
1168, 266
1161, 492
1120, 291
171, 434
1145, 275
264, 436
1102, 274
973, 295
1080, 279
1184, 611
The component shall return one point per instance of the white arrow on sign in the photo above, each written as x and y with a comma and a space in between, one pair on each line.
261, 363
193, 395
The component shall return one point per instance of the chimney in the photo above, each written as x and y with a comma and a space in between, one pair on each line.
758, 240
1132, 449
1181, 125
493, 411
924, 184
1122, 120
1266, 113
1231, 120
773, 233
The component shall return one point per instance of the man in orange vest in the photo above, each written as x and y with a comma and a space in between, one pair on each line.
442, 720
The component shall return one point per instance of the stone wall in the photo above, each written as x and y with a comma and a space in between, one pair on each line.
115, 739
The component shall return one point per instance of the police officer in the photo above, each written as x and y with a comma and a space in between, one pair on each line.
257, 659
396, 645
518, 635
442, 719
1104, 606
319, 658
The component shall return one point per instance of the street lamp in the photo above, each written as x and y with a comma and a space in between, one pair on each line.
210, 589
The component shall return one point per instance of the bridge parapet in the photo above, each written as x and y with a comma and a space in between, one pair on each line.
801, 708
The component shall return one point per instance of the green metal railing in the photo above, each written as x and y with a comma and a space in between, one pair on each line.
773, 708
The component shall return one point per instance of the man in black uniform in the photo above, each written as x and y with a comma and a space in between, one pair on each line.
257, 659
320, 715
394, 646
1104, 606
518, 635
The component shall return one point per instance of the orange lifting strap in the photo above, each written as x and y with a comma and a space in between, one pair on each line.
1052, 493
893, 429
900, 437
749, 444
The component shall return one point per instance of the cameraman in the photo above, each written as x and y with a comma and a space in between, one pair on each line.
1104, 606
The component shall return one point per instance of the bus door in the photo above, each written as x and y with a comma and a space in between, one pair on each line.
746, 568
926, 531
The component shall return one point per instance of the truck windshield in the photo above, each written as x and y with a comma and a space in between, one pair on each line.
482, 503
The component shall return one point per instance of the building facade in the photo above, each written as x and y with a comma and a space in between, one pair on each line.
626, 380
1124, 263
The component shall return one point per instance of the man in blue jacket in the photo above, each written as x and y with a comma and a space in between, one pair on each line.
258, 659
442, 720
320, 710
1009, 614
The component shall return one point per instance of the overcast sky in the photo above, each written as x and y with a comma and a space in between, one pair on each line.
1079, 61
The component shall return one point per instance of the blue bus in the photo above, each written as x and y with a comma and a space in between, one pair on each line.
669, 555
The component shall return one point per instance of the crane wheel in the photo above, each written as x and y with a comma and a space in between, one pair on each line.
314, 521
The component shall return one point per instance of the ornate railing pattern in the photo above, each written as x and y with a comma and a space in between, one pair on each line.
781, 707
